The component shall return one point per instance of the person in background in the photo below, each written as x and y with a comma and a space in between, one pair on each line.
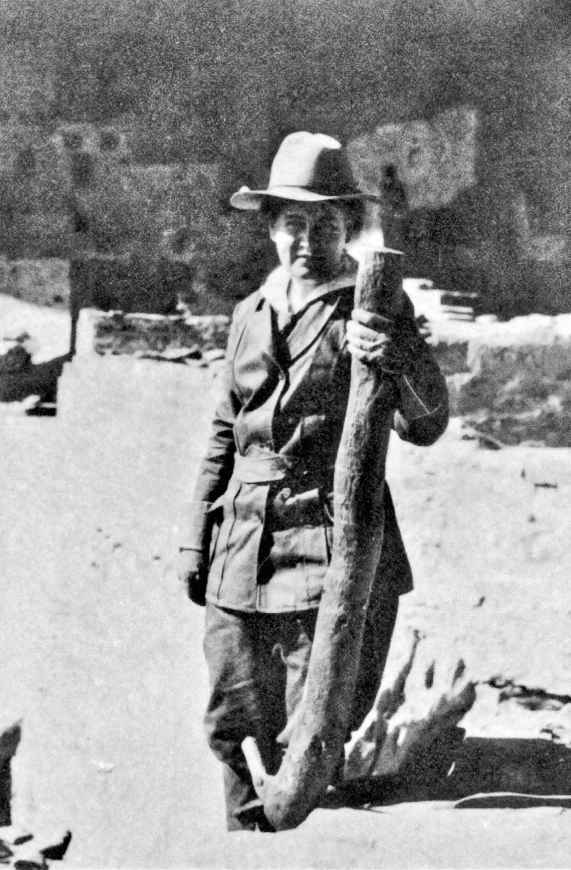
394, 209
257, 540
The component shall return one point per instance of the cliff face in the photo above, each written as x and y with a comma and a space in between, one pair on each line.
96, 97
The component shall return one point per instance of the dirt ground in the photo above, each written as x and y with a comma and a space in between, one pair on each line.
102, 653
102, 661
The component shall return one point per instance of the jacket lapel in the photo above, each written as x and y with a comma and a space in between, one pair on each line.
258, 335
311, 325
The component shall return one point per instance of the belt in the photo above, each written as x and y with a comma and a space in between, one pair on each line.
303, 500
263, 469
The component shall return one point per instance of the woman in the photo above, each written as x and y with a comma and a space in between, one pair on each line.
258, 542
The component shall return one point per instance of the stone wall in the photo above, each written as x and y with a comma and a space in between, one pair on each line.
136, 121
512, 381
39, 282
150, 335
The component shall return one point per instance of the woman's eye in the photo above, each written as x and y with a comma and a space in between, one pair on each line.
328, 227
293, 225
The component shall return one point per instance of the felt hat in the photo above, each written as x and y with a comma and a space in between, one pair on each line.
308, 167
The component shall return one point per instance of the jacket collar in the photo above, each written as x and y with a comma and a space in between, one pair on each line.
273, 295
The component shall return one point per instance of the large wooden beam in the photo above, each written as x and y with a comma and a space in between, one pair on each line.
316, 743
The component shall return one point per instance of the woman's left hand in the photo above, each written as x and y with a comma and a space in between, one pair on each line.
370, 338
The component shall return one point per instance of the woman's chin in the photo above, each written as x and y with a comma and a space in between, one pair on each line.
301, 273
311, 271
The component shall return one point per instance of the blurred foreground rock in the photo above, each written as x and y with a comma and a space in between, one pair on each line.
24, 851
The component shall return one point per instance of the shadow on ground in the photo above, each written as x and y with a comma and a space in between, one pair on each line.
473, 772
9, 740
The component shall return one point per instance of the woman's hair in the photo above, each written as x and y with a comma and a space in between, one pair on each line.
354, 210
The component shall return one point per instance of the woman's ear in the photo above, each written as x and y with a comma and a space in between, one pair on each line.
272, 231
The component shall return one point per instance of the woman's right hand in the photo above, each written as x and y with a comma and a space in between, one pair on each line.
192, 571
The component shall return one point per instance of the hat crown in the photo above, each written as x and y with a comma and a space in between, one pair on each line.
308, 167
314, 162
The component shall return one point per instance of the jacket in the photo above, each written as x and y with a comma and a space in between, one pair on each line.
262, 508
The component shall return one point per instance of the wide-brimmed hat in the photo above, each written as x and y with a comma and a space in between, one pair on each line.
308, 167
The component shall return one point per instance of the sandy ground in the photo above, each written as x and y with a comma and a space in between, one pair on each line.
102, 654
102, 661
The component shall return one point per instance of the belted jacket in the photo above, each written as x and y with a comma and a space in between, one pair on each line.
262, 508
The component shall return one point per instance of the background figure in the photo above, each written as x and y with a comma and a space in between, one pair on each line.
394, 209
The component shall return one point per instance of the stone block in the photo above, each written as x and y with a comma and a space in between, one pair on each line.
455, 383
126, 283
129, 334
452, 357
521, 392
511, 380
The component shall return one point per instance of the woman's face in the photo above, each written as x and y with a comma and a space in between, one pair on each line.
310, 238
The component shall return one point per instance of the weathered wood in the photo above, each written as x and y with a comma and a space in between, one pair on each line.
420, 706
255, 764
317, 740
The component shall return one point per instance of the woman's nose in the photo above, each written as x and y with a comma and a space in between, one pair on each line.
303, 237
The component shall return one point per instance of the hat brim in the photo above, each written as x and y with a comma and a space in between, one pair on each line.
252, 199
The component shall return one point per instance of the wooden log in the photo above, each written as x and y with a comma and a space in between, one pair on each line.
255, 764
318, 737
